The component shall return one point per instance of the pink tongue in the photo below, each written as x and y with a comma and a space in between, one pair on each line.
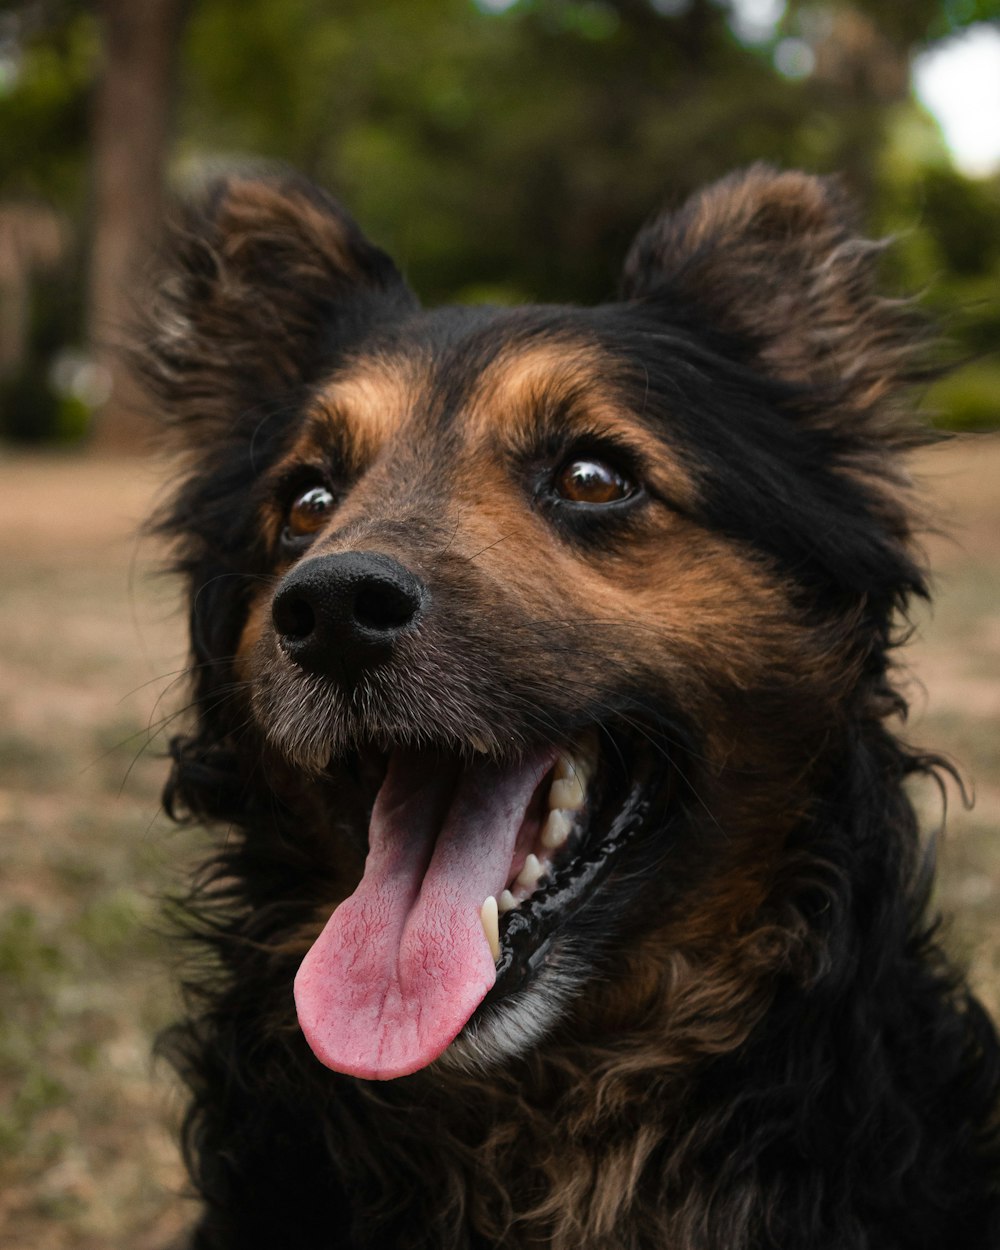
403, 963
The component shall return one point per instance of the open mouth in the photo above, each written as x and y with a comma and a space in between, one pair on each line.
473, 870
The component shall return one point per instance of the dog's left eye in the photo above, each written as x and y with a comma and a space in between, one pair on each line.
309, 512
591, 481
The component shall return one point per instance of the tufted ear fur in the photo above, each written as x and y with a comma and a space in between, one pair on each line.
268, 284
269, 280
773, 260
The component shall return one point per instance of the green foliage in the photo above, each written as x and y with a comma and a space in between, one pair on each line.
947, 16
965, 214
518, 150
946, 247
968, 399
44, 103
31, 408
509, 152
48, 59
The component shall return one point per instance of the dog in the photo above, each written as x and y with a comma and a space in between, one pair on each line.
568, 890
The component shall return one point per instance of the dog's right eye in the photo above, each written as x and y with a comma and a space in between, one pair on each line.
309, 513
589, 481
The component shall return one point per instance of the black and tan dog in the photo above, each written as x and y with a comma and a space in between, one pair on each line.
569, 894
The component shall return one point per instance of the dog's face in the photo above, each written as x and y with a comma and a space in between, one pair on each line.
547, 621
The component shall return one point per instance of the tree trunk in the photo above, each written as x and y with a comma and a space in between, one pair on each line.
130, 135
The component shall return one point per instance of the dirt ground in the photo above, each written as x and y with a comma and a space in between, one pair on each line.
91, 652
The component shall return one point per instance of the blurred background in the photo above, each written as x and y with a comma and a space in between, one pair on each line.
500, 150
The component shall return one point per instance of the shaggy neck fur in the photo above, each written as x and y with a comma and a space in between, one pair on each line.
707, 1123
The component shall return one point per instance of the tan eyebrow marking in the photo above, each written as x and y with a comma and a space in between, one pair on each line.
519, 382
370, 401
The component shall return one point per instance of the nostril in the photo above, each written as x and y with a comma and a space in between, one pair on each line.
385, 606
293, 616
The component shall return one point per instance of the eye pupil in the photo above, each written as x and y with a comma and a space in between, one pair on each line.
309, 511
591, 481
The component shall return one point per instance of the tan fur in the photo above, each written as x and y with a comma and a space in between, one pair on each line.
504, 407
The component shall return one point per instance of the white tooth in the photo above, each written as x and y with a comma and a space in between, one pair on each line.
576, 768
530, 873
491, 925
479, 744
557, 829
567, 793
506, 902
565, 766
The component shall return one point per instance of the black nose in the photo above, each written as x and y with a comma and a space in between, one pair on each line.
336, 615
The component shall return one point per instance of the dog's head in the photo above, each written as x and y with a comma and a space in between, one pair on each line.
541, 632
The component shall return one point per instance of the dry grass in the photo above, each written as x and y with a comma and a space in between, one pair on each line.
86, 1153
89, 646
954, 662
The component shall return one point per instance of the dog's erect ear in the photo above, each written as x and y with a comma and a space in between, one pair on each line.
269, 280
773, 259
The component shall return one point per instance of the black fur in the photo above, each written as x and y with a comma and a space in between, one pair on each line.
843, 1093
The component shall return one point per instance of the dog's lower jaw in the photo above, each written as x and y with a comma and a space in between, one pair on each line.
502, 1032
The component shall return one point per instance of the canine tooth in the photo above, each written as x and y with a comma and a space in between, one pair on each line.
491, 925
506, 902
567, 793
575, 767
556, 831
585, 754
530, 873
565, 766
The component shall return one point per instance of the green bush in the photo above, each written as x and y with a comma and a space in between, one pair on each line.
968, 399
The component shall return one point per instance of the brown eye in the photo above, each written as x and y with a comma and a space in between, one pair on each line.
309, 512
591, 481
